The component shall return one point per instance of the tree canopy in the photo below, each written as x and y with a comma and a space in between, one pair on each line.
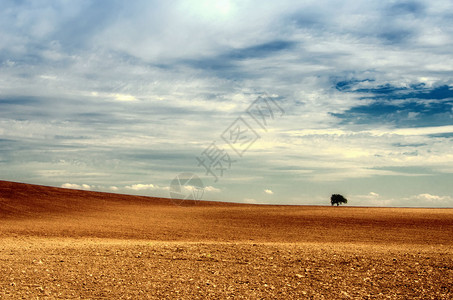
338, 199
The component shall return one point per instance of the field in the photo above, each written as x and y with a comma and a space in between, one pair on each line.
59, 243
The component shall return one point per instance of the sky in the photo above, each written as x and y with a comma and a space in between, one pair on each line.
268, 102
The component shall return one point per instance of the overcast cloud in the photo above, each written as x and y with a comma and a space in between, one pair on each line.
123, 96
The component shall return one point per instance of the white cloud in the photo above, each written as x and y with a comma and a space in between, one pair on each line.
142, 187
76, 186
250, 201
123, 97
373, 132
420, 200
210, 188
114, 188
269, 192
418, 131
432, 200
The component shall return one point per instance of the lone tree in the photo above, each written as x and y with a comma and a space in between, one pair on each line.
338, 199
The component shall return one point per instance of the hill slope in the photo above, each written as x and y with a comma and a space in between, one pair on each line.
27, 200
30, 210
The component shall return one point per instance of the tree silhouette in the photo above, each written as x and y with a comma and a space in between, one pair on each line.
338, 199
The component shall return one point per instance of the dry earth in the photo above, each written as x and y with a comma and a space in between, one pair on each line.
67, 244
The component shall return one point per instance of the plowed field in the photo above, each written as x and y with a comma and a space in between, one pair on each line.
68, 244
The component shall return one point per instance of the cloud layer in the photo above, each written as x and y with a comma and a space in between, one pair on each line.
124, 96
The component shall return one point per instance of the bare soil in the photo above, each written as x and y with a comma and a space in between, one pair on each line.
67, 244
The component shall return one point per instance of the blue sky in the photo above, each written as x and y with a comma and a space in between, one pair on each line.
123, 96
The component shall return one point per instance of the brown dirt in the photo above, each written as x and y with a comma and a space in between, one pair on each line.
57, 243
